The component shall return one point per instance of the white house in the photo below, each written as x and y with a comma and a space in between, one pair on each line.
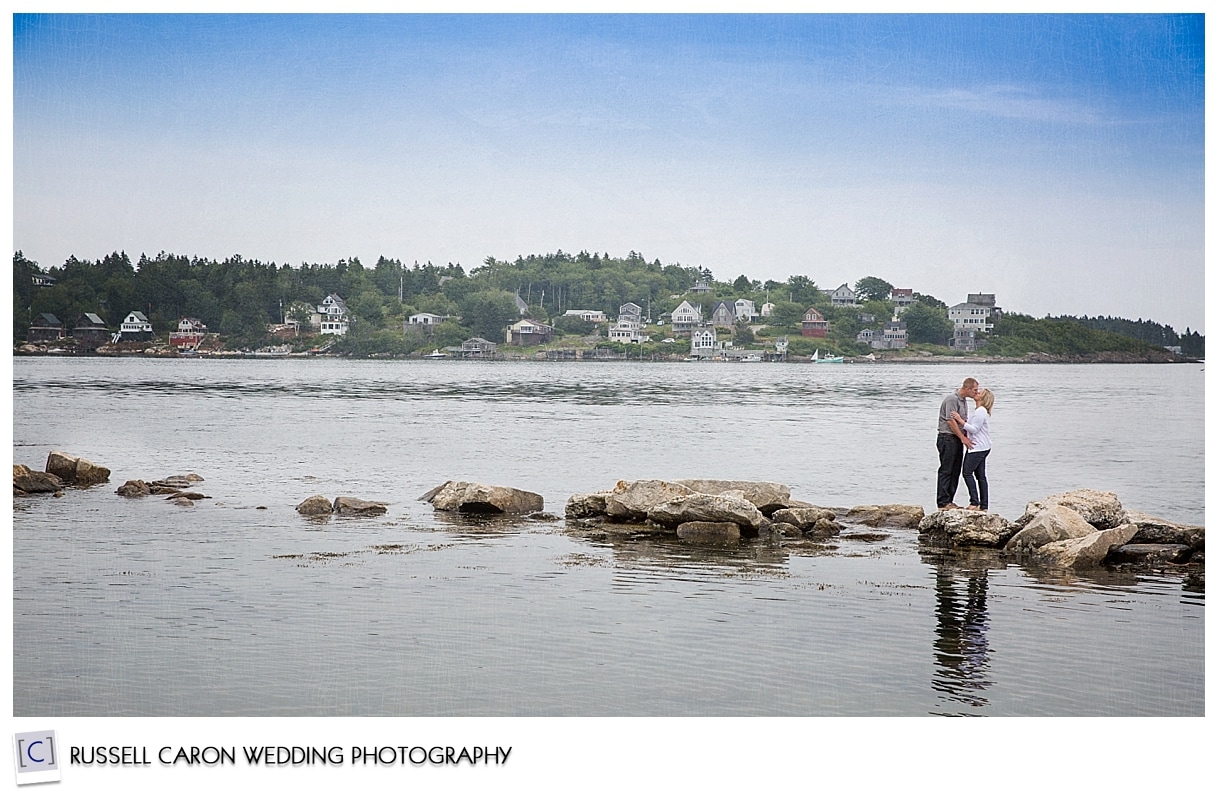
686, 316
767, 310
632, 311
136, 327
627, 331
333, 313
425, 319
977, 314
745, 310
842, 295
594, 316
703, 343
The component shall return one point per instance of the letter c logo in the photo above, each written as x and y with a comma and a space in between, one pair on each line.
29, 752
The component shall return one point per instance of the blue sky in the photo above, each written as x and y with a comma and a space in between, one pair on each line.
1056, 161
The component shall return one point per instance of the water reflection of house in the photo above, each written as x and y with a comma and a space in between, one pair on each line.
45, 327
90, 332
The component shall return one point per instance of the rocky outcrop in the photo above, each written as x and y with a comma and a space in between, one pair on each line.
480, 498
1155, 530
27, 481
178, 481
1102, 510
75, 470
902, 516
315, 506
728, 507
1054, 523
963, 528
714, 532
632, 500
353, 506
187, 496
586, 506
1089, 550
813, 521
134, 489
767, 497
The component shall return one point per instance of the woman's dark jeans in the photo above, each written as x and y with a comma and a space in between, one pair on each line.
974, 479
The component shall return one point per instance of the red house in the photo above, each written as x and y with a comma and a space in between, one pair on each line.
814, 324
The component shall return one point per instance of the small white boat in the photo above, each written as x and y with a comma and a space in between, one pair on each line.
435, 355
751, 358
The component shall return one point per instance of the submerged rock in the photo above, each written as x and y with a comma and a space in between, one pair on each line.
480, 498
353, 506
1086, 551
960, 527
1149, 553
27, 481
709, 531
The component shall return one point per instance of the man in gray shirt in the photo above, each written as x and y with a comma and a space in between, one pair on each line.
951, 443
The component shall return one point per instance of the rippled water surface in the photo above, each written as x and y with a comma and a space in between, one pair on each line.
239, 606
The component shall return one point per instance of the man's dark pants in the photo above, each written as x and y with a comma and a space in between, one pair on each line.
951, 459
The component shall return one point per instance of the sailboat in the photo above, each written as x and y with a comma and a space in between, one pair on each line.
816, 358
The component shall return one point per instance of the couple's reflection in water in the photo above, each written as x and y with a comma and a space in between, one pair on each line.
962, 639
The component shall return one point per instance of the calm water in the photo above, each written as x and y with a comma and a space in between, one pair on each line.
239, 606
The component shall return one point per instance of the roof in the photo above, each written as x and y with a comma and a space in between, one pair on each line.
93, 318
140, 317
50, 318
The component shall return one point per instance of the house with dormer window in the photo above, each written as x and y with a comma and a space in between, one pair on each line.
136, 327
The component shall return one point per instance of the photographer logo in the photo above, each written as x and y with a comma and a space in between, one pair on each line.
37, 757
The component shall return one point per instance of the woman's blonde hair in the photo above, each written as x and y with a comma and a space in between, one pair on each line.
986, 399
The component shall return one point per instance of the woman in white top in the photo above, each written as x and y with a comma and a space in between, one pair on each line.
977, 427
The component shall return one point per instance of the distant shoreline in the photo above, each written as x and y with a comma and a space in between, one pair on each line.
1034, 358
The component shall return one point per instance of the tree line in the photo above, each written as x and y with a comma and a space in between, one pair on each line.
240, 297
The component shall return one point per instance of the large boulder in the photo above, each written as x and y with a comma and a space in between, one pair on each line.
708, 508
905, 516
73, 469
964, 528
480, 498
767, 497
1086, 551
1103, 510
314, 506
1055, 523
353, 506
632, 500
27, 481
1155, 530
586, 506
178, 481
